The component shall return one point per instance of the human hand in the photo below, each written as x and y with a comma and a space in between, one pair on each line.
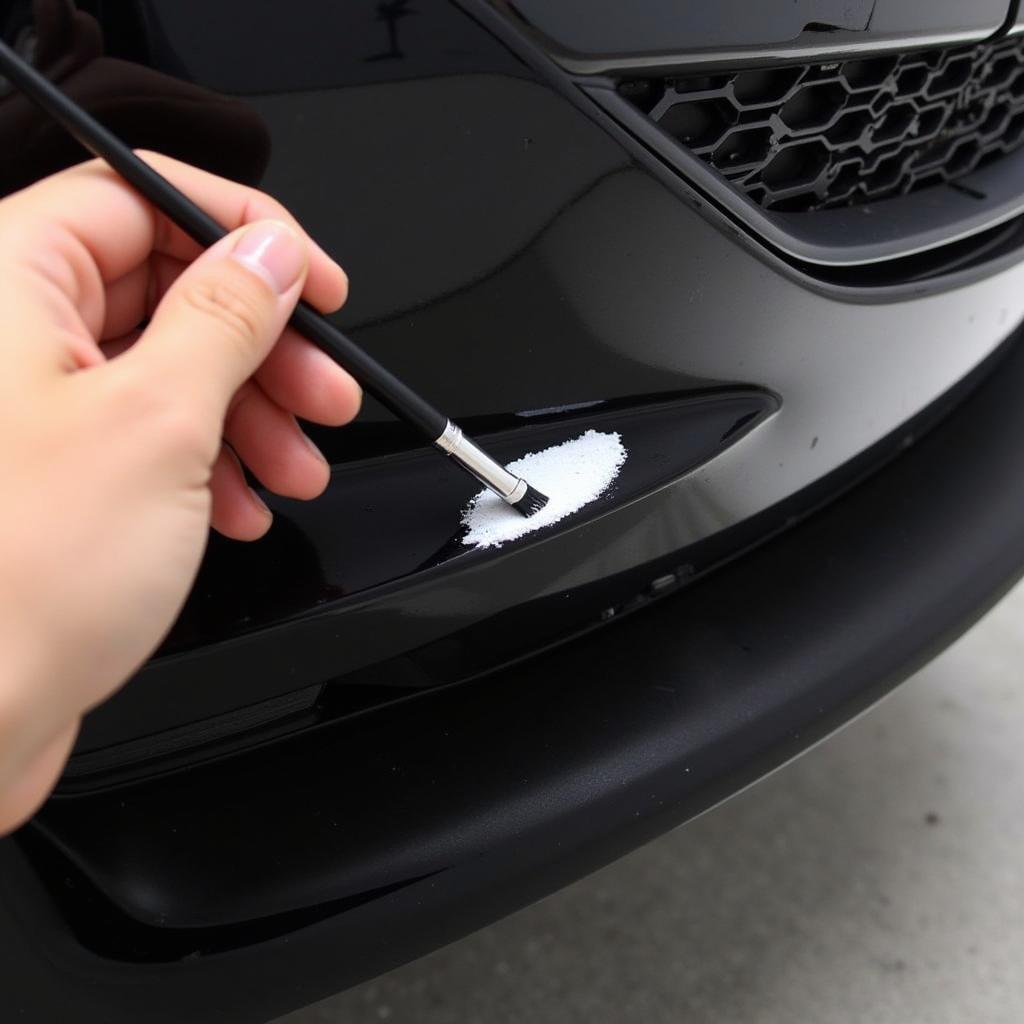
119, 448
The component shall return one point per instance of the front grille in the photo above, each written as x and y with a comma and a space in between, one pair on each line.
814, 136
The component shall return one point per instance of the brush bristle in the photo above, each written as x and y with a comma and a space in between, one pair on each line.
531, 502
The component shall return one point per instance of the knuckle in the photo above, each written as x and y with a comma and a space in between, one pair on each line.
181, 427
260, 206
164, 416
238, 305
184, 430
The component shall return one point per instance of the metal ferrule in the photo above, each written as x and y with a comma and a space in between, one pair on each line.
490, 473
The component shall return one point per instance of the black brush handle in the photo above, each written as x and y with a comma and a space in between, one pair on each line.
394, 394
374, 378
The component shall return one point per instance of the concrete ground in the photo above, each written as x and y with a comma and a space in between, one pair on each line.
879, 878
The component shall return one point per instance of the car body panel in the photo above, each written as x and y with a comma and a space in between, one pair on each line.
483, 798
533, 261
363, 738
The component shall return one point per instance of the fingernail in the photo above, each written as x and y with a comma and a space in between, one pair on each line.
273, 250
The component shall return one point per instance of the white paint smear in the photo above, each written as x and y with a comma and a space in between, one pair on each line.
572, 474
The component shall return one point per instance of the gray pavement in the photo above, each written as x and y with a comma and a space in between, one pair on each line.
878, 878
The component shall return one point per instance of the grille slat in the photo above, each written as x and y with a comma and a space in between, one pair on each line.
818, 136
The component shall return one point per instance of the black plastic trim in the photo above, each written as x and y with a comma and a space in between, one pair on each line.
704, 38
889, 229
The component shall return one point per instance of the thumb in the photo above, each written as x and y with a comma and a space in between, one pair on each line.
222, 316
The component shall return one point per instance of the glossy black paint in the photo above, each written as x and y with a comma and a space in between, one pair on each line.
319, 46
395, 518
152, 109
399, 516
309, 857
508, 254
476, 800
511, 249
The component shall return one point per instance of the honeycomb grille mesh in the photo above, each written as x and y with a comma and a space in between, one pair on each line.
814, 136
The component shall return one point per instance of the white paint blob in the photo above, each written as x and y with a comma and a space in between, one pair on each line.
572, 474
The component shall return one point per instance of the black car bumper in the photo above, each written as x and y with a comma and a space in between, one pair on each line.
341, 852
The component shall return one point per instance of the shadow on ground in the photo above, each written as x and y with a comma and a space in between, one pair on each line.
880, 877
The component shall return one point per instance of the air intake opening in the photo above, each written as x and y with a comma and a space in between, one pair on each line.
839, 165
818, 136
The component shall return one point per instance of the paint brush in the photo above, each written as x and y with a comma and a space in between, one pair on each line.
391, 392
